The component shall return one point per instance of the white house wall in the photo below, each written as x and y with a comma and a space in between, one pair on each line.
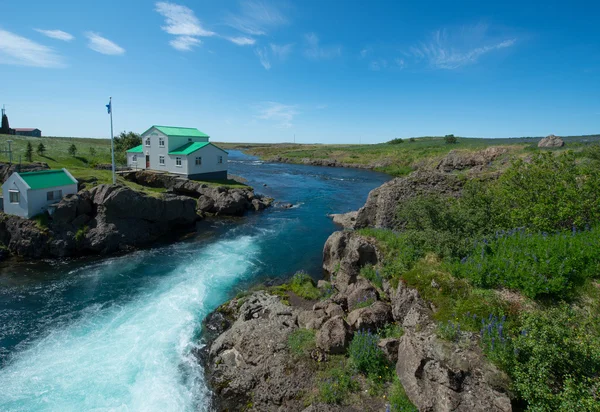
210, 155
140, 162
15, 183
38, 202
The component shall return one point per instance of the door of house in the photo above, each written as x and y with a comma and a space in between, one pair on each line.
147, 161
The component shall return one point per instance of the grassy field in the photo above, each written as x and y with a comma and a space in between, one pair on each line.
90, 152
397, 159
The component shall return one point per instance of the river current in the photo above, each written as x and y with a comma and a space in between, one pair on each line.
118, 333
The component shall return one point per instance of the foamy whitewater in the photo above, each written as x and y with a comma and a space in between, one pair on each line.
118, 334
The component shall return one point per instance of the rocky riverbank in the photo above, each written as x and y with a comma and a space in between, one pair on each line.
324, 162
116, 218
251, 365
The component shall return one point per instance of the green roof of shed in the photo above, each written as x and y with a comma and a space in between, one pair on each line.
47, 178
180, 131
137, 149
189, 148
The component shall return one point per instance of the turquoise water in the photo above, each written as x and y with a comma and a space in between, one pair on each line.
118, 333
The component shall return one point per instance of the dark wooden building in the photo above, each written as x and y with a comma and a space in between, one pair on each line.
28, 132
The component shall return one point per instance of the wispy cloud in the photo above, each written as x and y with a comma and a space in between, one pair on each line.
56, 34
315, 51
377, 65
103, 45
242, 41
280, 114
256, 17
20, 51
281, 51
181, 21
448, 49
263, 56
365, 52
184, 43
400, 63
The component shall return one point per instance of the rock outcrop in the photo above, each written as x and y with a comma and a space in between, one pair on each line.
462, 159
324, 162
214, 200
380, 210
551, 141
7, 169
346, 220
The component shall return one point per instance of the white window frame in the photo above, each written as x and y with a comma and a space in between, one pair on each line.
11, 193
199, 161
161, 160
220, 160
161, 142
147, 142
178, 161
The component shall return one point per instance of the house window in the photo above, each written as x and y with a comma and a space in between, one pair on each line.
134, 158
189, 139
54, 195
220, 159
178, 161
161, 160
148, 141
198, 161
15, 196
161, 142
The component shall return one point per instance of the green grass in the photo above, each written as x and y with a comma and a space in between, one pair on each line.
336, 383
304, 286
301, 341
396, 159
399, 402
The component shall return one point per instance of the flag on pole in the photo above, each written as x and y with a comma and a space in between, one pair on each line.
108, 108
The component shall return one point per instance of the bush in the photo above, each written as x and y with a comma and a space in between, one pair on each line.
366, 357
535, 264
80, 235
412, 140
72, 149
304, 286
396, 141
301, 341
336, 384
450, 139
557, 362
371, 273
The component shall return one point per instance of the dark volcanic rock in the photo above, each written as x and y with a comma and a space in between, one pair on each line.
461, 159
382, 204
334, 336
370, 318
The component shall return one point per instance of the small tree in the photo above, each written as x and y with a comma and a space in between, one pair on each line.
41, 149
92, 152
72, 149
412, 140
450, 139
5, 129
29, 152
397, 140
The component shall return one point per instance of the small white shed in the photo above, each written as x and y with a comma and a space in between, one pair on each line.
29, 194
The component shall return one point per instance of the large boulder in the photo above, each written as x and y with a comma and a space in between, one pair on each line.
249, 363
371, 318
551, 141
334, 336
360, 292
462, 159
381, 208
344, 254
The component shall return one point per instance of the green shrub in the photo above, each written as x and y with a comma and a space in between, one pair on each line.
372, 274
557, 364
450, 139
301, 341
336, 384
365, 303
304, 286
41, 220
391, 330
396, 141
412, 140
366, 357
535, 264
399, 402
80, 235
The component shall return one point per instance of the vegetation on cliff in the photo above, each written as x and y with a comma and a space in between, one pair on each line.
516, 260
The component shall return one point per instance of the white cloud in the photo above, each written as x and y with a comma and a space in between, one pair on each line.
242, 41
281, 114
263, 56
453, 49
281, 51
377, 65
400, 63
315, 51
364, 52
103, 45
255, 18
321, 106
184, 43
56, 34
20, 51
181, 22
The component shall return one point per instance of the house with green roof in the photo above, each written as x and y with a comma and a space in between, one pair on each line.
183, 151
29, 194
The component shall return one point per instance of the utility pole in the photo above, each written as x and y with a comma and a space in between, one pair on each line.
9, 151
294, 138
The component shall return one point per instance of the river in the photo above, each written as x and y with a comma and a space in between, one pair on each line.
117, 333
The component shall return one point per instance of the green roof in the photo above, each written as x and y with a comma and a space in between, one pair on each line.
137, 149
47, 178
189, 148
180, 131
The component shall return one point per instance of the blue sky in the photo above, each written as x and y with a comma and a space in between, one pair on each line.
325, 71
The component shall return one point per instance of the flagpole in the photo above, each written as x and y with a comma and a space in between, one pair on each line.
112, 143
